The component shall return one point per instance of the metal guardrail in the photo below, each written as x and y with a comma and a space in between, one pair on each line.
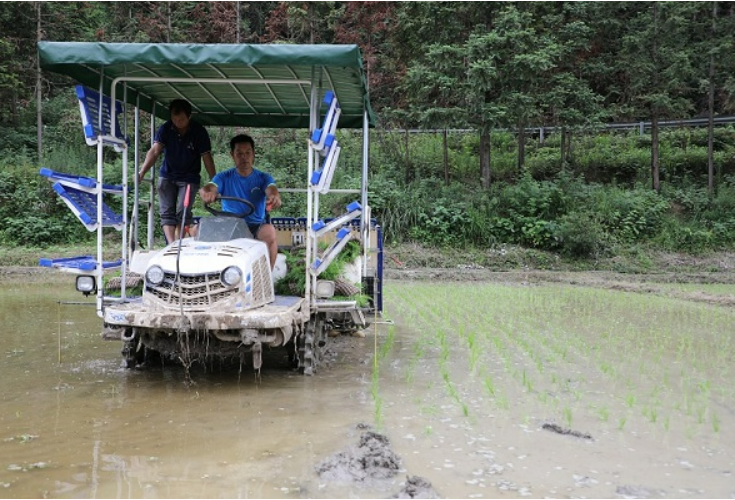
641, 126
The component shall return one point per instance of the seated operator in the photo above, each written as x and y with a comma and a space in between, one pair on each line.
250, 184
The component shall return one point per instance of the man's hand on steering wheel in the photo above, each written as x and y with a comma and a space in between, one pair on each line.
249, 207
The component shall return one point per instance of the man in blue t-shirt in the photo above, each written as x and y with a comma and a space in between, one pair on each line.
186, 144
247, 183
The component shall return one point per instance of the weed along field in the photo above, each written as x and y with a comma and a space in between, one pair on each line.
550, 389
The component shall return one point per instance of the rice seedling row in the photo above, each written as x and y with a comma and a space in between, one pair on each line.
572, 349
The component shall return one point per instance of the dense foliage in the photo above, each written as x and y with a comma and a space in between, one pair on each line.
494, 70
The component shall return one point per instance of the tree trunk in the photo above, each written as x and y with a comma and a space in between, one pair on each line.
237, 21
39, 93
14, 108
168, 22
655, 181
445, 148
485, 156
521, 147
407, 171
711, 111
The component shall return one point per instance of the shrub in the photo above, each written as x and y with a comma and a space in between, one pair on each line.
578, 235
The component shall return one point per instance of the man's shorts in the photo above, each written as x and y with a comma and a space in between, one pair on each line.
254, 228
171, 200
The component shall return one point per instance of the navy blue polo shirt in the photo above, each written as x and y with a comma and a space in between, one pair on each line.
182, 157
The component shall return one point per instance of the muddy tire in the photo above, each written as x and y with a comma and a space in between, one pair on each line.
133, 353
311, 346
292, 351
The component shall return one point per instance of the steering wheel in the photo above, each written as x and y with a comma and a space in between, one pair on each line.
247, 212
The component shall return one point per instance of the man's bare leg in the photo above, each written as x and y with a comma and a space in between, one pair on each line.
267, 234
170, 233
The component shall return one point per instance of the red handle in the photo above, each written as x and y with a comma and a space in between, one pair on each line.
186, 197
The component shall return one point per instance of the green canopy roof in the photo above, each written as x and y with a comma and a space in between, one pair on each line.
227, 84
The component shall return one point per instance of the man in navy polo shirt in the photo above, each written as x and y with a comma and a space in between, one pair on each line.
186, 143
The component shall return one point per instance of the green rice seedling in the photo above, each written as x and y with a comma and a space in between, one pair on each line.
489, 385
388, 344
527, 383
385, 348
607, 368
503, 402
715, 423
377, 399
452, 390
688, 406
539, 365
653, 415
567, 414
604, 413
701, 412
704, 387
474, 346
418, 353
621, 423
630, 400
429, 410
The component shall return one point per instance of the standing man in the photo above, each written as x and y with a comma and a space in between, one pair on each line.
186, 144
250, 184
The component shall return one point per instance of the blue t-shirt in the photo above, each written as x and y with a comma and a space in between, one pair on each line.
251, 188
182, 158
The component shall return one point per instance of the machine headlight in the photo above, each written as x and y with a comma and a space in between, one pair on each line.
86, 284
324, 289
154, 275
231, 276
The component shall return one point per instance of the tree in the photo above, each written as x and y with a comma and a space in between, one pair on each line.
498, 76
657, 61
711, 31
302, 22
569, 100
366, 24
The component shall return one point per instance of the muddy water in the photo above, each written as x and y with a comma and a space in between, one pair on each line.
73, 424
83, 427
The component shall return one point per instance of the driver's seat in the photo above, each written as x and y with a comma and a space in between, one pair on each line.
212, 229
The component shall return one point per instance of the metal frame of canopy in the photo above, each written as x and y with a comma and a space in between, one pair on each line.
131, 65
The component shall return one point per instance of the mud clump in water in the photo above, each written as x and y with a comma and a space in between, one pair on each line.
372, 459
567, 432
417, 487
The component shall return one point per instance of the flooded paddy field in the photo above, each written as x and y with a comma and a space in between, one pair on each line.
483, 389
